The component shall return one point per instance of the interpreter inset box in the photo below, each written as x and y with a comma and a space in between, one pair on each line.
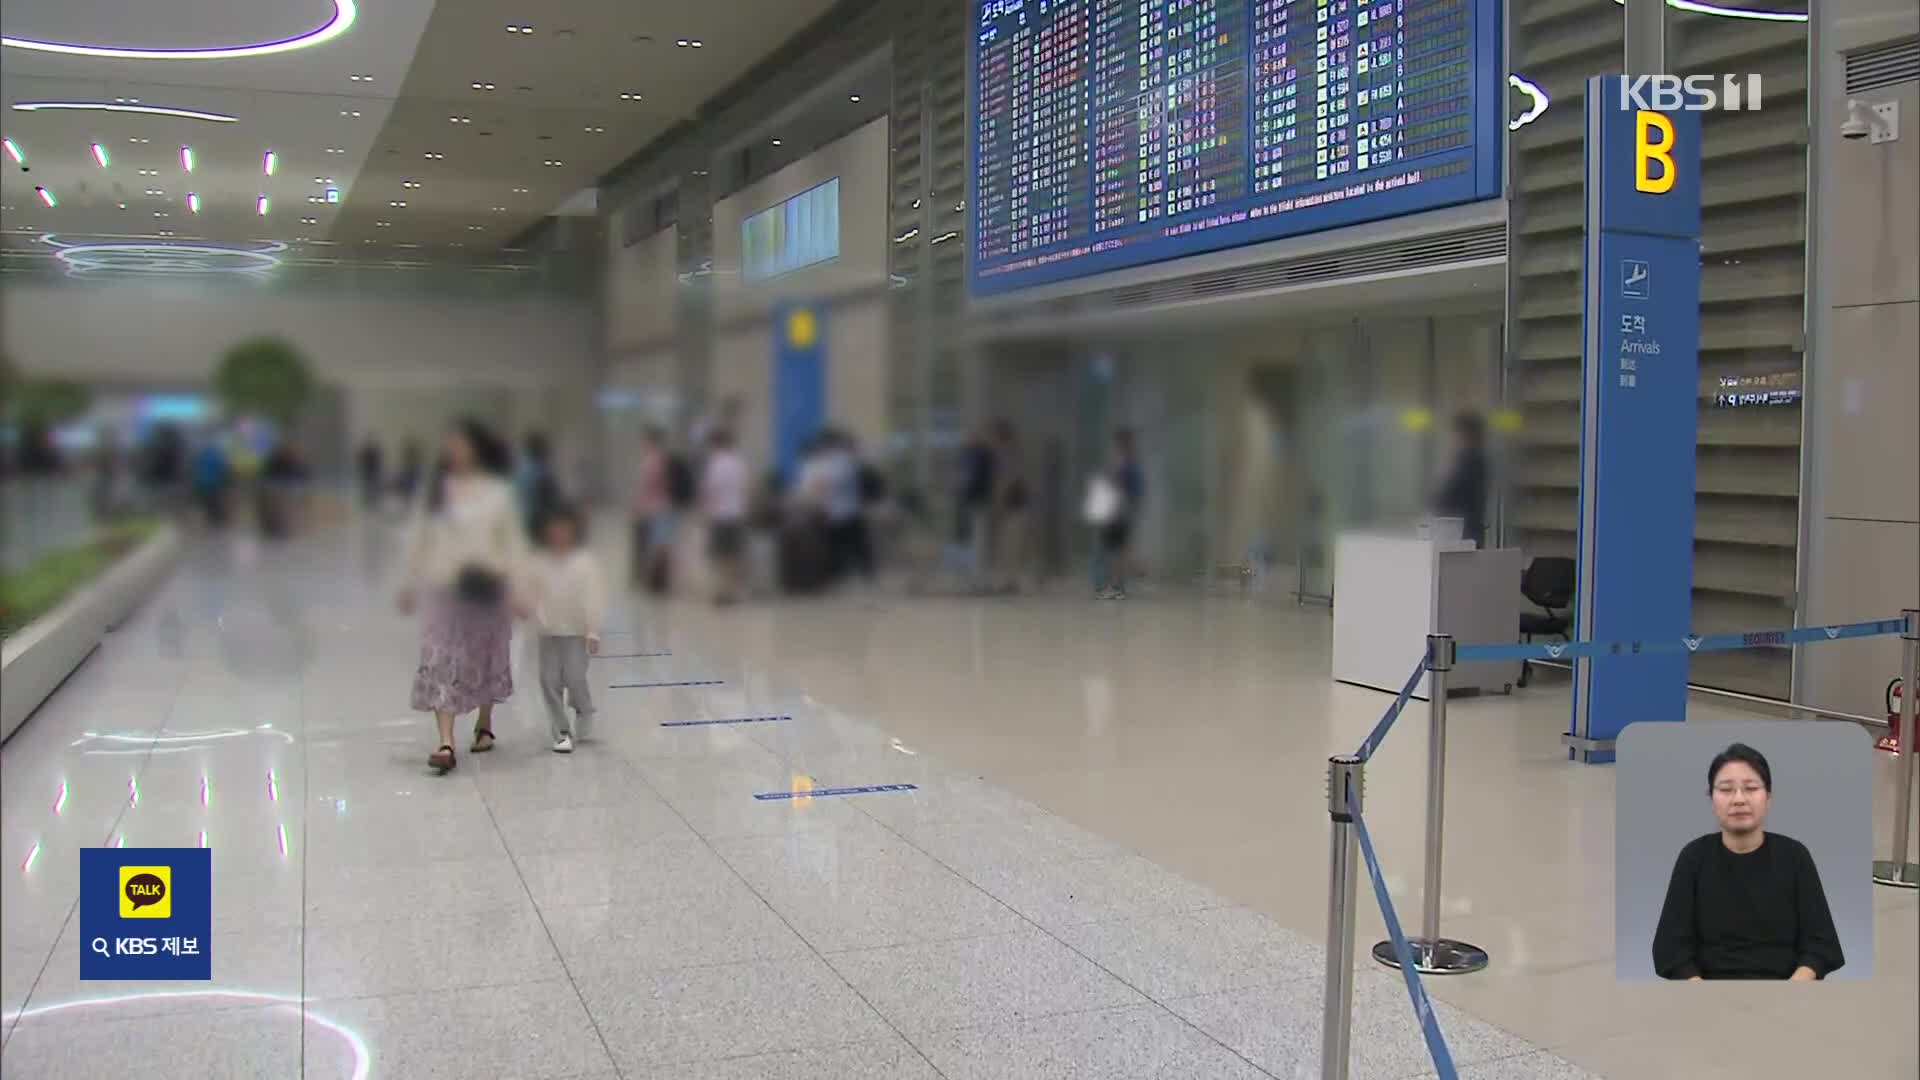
1743, 850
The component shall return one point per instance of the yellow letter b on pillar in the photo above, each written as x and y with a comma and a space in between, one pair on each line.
1652, 141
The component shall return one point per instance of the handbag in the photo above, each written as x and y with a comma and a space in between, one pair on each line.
479, 586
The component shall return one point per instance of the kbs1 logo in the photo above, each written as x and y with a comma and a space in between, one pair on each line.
1691, 93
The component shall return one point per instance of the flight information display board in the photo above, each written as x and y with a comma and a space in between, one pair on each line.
1113, 133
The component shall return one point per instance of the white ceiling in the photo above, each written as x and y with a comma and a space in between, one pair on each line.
556, 96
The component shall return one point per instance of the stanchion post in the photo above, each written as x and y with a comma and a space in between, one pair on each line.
1433, 954
1345, 776
1896, 871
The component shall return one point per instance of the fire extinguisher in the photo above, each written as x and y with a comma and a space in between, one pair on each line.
1890, 742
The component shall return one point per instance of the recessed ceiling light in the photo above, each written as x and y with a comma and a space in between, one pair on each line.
270, 163
186, 158
519, 191
499, 209
335, 150
553, 163
343, 16
309, 221
100, 155
155, 192
475, 228
350, 112
631, 96
384, 224
483, 86
410, 184
46, 196
316, 198
157, 213
519, 28
855, 98
776, 142
123, 206
431, 156
359, 78
591, 130
690, 43
139, 140
149, 172
396, 202
109, 106
460, 119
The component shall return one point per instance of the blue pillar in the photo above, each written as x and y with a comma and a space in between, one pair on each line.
799, 381
1639, 411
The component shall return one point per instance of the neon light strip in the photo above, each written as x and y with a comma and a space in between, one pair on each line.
186, 158
100, 154
60, 804
46, 196
13, 151
1537, 96
283, 841
32, 856
343, 16
111, 106
1697, 7
362, 1059
270, 164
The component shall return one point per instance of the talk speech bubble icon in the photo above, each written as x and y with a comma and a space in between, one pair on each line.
145, 890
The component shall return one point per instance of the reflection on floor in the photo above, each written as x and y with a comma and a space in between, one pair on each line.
1112, 862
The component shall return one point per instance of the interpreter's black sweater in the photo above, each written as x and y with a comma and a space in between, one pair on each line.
1755, 916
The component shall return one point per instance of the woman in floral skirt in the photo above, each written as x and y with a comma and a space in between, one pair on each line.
465, 565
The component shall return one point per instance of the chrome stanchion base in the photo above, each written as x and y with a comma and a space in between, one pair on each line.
1896, 875
1443, 957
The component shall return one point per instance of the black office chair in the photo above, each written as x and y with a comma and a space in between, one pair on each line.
1549, 583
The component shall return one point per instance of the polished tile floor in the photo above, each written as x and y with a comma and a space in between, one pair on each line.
1112, 863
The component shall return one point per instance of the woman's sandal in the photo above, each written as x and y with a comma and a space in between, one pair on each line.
442, 759
482, 740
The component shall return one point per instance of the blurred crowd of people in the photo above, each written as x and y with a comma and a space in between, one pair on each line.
815, 520
242, 469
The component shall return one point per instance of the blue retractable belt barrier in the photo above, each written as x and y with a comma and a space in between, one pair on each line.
1692, 643
1385, 725
1422, 1004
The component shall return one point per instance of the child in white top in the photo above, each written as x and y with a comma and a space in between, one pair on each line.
568, 601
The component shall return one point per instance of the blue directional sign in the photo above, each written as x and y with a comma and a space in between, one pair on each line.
1639, 411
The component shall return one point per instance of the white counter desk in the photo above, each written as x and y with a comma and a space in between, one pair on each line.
1391, 590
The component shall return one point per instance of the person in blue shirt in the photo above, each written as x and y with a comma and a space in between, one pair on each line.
212, 476
534, 486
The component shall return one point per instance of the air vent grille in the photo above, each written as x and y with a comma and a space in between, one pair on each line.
1416, 253
1883, 65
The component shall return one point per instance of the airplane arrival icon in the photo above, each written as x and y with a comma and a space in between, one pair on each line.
1636, 281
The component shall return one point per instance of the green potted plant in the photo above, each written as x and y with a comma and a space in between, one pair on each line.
265, 377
